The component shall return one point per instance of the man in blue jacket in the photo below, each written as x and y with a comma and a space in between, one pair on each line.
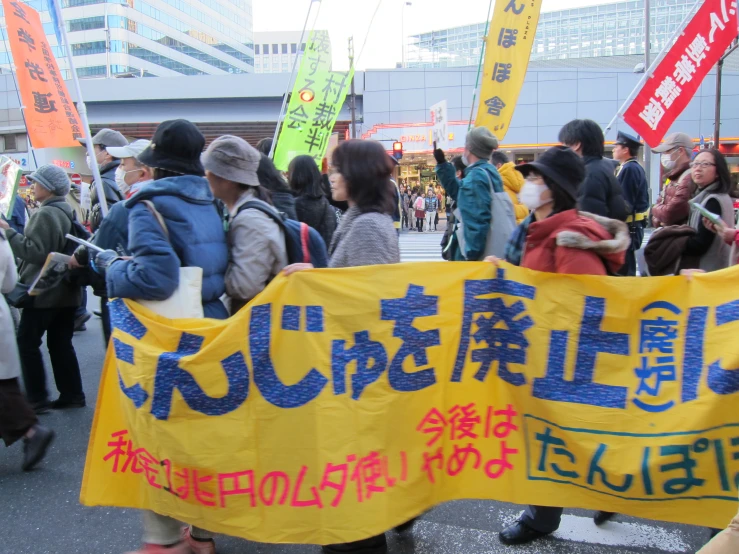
472, 194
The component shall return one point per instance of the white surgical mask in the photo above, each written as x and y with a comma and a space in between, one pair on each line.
465, 161
120, 180
667, 162
531, 194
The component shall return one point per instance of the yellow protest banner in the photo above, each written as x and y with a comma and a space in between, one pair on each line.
507, 51
340, 403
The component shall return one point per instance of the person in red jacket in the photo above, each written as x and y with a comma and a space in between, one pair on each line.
561, 240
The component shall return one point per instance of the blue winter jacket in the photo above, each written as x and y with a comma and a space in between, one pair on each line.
196, 239
113, 231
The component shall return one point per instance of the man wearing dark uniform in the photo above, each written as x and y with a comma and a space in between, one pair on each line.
633, 181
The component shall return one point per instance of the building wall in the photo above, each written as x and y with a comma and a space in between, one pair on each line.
152, 37
549, 99
613, 29
276, 52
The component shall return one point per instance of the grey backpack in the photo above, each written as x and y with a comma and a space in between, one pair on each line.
502, 226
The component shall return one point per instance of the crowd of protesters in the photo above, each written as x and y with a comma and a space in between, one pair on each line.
174, 204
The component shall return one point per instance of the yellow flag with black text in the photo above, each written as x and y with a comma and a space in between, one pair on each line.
507, 51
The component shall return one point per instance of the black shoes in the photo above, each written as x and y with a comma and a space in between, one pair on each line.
41, 407
80, 320
519, 533
601, 517
34, 449
63, 403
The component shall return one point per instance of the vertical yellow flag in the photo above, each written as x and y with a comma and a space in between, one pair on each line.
507, 51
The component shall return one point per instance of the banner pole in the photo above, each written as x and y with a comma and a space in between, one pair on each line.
648, 72
18, 94
479, 64
82, 110
292, 77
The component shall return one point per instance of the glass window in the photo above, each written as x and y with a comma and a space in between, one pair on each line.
85, 24
87, 48
256, 49
293, 48
93, 71
10, 143
284, 48
275, 49
265, 48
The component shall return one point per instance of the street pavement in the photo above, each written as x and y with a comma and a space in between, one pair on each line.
42, 514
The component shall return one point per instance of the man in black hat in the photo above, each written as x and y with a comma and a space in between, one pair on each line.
633, 180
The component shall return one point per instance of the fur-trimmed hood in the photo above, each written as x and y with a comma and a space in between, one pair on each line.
618, 239
608, 238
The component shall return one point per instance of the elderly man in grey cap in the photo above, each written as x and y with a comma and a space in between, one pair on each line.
473, 196
672, 206
51, 313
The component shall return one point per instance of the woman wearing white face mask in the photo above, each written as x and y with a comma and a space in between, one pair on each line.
559, 239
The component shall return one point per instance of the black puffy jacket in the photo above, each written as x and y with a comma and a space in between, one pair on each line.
600, 193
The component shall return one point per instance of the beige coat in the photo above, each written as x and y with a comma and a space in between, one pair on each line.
256, 252
10, 365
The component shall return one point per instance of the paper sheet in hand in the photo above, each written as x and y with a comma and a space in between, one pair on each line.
54, 270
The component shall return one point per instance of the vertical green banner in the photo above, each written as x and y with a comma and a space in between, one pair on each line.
316, 101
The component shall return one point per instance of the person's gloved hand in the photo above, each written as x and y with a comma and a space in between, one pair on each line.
81, 255
103, 260
439, 156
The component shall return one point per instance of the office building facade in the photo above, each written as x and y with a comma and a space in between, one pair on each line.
151, 38
614, 29
276, 52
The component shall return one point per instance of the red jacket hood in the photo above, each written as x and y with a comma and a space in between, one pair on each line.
606, 237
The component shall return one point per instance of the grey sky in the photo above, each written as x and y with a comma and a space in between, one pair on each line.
344, 18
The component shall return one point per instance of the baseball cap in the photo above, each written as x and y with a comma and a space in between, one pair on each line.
675, 140
105, 138
130, 150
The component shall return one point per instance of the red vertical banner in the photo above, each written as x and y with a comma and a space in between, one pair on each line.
676, 79
51, 117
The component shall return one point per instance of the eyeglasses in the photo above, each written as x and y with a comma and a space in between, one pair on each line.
701, 165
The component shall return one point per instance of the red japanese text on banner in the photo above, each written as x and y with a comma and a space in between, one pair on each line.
51, 117
677, 78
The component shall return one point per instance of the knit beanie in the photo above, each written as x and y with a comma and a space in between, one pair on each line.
52, 178
481, 142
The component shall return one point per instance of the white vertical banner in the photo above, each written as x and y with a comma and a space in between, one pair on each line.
440, 133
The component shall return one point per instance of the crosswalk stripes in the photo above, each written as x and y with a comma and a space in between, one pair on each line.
420, 247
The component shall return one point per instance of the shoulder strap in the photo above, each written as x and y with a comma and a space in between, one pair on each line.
265, 209
150, 205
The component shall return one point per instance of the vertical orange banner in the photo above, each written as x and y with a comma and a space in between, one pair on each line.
51, 118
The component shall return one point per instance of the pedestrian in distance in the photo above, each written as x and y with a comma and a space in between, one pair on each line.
256, 243
431, 208
633, 180
271, 179
420, 213
599, 193
366, 236
18, 421
179, 226
405, 200
311, 205
559, 239
475, 230
512, 183
710, 173
672, 206
51, 313
412, 210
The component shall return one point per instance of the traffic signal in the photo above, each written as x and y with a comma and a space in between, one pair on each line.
397, 150
307, 95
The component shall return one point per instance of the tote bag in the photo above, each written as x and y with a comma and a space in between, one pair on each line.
187, 300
